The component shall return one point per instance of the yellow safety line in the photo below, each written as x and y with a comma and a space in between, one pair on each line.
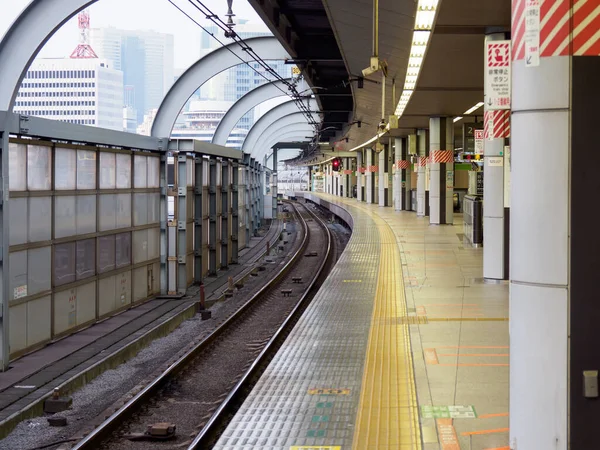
387, 412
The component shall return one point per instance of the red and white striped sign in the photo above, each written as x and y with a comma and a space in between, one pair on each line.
442, 156
423, 161
402, 164
347, 172
557, 22
498, 54
362, 170
373, 169
496, 124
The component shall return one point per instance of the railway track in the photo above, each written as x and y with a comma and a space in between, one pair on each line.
201, 390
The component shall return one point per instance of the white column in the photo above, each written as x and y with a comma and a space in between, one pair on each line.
397, 174
369, 178
382, 175
421, 172
359, 176
441, 151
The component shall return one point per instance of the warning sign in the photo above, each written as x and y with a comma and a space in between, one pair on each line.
479, 142
497, 75
532, 33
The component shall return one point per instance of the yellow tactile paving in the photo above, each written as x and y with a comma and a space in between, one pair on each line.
388, 414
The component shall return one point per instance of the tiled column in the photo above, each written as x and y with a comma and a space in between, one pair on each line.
441, 151
407, 172
422, 188
359, 176
398, 172
554, 239
495, 215
370, 178
381, 159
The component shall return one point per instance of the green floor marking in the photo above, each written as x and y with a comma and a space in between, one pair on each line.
448, 412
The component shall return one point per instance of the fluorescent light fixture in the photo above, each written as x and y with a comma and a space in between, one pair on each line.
421, 37
425, 18
474, 108
418, 50
415, 61
456, 119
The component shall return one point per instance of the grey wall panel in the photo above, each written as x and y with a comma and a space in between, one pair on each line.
140, 283
123, 210
140, 246
108, 212
40, 219
86, 214
65, 169
64, 264
123, 173
65, 217
18, 333
108, 170
39, 168
123, 249
38, 270
106, 253
123, 288
108, 296
17, 220
65, 310
86, 303
39, 313
154, 208
153, 243
86, 169
17, 165
140, 209
85, 258
153, 164
140, 171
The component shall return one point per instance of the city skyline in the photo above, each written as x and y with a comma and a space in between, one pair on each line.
136, 15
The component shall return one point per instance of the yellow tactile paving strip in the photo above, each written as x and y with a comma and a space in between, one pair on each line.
388, 414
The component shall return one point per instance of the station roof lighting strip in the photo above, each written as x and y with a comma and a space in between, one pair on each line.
471, 110
426, 13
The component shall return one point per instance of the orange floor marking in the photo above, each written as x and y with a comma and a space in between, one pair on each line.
431, 356
475, 365
498, 448
497, 430
421, 311
487, 416
473, 354
447, 434
454, 304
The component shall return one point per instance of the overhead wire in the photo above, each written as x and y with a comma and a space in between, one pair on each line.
246, 48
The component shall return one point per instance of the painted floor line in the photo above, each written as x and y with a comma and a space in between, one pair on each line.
487, 416
473, 433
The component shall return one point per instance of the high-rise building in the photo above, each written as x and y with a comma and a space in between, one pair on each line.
233, 83
80, 91
201, 120
146, 59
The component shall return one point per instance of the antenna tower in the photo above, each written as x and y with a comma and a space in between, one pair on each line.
84, 50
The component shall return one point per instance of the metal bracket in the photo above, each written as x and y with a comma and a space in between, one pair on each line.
182, 158
181, 225
198, 190
212, 217
234, 238
181, 259
181, 191
212, 190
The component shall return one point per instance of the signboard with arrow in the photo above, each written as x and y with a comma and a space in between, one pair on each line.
497, 75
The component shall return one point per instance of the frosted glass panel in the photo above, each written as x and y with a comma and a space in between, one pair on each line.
153, 208
140, 172
123, 210
38, 168
18, 274
108, 212
153, 172
106, 253
86, 169
153, 243
189, 165
17, 165
123, 249
123, 171
38, 270
65, 169
86, 258
86, 214
140, 246
140, 215
17, 220
64, 263
40, 214
107, 170
64, 216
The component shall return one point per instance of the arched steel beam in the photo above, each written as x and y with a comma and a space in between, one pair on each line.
289, 137
248, 101
203, 70
26, 37
270, 117
278, 129
296, 118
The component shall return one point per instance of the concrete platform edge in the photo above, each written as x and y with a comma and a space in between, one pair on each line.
36, 408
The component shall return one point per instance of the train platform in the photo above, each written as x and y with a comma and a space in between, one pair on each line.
404, 347
78, 358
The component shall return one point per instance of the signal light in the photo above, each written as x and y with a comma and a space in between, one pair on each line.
336, 164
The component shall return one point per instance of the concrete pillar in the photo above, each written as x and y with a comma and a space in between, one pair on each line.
422, 182
347, 176
441, 151
398, 191
554, 239
381, 163
225, 213
496, 211
274, 183
409, 147
370, 178
4, 230
260, 194
235, 205
181, 240
359, 176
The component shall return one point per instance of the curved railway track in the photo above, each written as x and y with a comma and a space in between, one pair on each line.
200, 391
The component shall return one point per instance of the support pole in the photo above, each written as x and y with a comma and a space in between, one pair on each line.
4, 275
225, 212
181, 223
199, 181
212, 218
235, 219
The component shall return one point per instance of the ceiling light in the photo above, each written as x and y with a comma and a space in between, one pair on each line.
474, 108
456, 119
409, 85
415, 61
418, 50
424, 20
421, 37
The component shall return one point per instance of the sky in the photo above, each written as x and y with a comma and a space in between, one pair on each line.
157, 15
